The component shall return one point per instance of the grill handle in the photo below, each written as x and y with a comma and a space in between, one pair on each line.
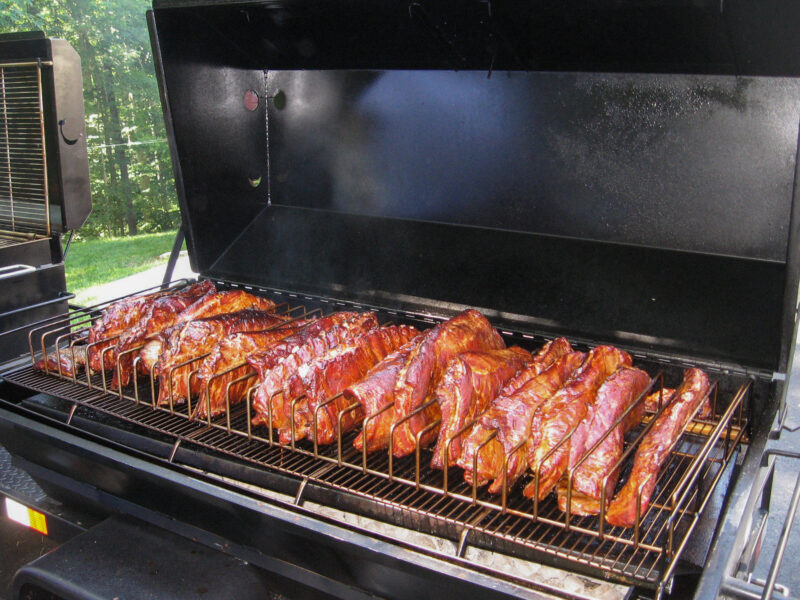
14, 270
742, 584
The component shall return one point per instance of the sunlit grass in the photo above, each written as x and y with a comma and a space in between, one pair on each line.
94, 262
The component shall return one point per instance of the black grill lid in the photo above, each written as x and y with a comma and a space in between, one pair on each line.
443, 154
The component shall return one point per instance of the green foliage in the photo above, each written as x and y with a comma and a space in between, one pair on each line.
130, 169
97, 261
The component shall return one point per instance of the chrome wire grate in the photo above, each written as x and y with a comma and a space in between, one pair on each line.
23, 167
407, 490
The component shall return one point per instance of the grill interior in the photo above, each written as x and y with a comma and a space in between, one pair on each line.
23, 166
407, 492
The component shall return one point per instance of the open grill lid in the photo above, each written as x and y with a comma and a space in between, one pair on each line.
623, 172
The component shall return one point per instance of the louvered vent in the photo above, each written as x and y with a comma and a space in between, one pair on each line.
23, 165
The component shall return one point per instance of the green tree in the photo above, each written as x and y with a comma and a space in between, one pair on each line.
131, 174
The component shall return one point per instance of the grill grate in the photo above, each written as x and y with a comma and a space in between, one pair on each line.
23, 167
406, 491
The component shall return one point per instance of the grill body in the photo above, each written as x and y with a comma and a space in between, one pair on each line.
421, 159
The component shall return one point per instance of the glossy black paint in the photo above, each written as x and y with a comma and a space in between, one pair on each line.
91, 564
29, 297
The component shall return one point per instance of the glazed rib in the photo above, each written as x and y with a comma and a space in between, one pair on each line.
212, 381
282, 360
469, 384
542, 360
156, 316
195, 338
374, 393
68, 367
566, 410
467, 331
510, 416
655, 449
115, 319
325, 377
210, 305
615, 396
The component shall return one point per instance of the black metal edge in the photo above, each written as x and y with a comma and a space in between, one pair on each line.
169, 126
68, 123
183, 501
62, 297
430, 310
790, 297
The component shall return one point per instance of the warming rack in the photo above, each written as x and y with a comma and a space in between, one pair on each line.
438, 501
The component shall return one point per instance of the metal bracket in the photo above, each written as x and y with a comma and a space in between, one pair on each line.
173, 256
462, 542
298, 498
175, 447
71, 412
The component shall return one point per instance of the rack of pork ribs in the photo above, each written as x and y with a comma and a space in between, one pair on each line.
558, 415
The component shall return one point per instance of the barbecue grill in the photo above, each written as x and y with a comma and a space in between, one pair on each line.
44, 180
416, 159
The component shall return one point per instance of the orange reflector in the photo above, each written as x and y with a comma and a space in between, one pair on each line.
26, 516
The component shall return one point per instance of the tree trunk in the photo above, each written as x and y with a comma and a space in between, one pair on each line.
120, 154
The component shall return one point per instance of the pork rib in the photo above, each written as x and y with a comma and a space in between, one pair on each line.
375, 393
655, 448
210, 305
566, 410
469, 384
68, 367
213, 381
511, 416
115, 319
542, 360
195, 338
324, 378
469, 330
157, 316
276, 365
615, 396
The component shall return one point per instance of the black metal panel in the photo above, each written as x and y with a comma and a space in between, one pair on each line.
69, 182
663, 36
675, 162
315, 551
22, 289
725, 308
107, 562
30, 252
219, 145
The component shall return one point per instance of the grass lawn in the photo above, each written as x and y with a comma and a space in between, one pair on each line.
94, 262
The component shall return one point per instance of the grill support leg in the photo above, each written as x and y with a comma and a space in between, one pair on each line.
173, 256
